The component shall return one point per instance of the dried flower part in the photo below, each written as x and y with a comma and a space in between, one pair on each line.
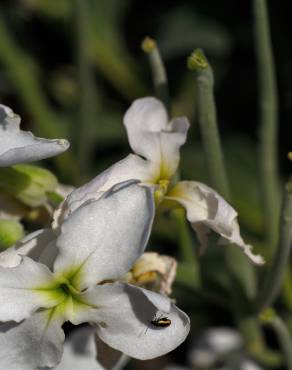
155, 272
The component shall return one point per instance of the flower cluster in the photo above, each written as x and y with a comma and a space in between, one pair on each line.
70, 271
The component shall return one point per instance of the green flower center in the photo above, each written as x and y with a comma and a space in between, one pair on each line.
67, 300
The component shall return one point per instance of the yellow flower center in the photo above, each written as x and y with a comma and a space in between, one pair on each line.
161, 190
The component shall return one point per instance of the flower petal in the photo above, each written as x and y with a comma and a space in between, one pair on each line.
130, 168
123, 318
35, 342
20, 294
80, 351
109, 358
17, 146
33, 246
103, 238
152, 136
207, 208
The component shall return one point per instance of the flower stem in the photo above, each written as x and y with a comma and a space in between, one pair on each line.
284, 339
275, 274
269, 123
160, 82
238, 266
269, 317
188, 255
208, 121
241, 273
149, 46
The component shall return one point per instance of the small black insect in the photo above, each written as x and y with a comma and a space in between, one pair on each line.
161, 322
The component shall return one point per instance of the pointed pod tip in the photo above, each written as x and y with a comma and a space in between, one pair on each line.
148, 44
197, 61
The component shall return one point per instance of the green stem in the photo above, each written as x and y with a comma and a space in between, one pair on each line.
241, 273
269, 123
207, 118
238, 266
160, 82
159, 76
186, 244
284, 340
275, 274
88, 100
269, 317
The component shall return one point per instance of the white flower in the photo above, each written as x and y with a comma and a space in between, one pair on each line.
17, 146
220, 345
158, 141
65, 275
218, 348
214, 345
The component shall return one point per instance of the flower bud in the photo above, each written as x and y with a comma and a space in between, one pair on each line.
10, 232
30, 184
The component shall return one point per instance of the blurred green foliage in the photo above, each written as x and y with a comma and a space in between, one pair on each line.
70, 68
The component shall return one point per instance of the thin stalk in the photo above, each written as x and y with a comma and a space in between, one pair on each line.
284, 338
238, 266
160, 82
87, 103
188, 255
207, 118
241, 273
159, 76
269, 317
268, 123
275, 274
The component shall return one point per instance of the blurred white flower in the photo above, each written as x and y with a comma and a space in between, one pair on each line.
53, 276
17, 146
213, 345
218, 348
157, 143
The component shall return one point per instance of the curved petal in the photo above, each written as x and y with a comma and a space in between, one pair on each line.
79, 351
17, 146
152, 136
102, 239
130, 168
33, 246
145, 116
205, 206
109, 358
20, 294
35, 342
123, 318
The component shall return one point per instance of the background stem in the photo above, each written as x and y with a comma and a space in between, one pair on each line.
268, 124
159, 75
275, 274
